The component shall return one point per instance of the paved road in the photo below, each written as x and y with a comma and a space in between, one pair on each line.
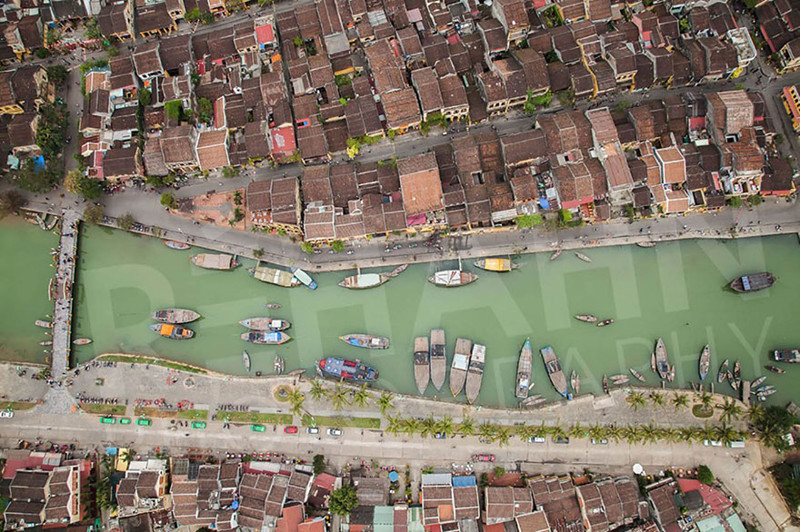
65, 276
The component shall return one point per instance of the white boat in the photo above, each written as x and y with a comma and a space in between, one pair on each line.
304, 278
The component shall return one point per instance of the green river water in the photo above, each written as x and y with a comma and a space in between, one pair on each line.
674, 290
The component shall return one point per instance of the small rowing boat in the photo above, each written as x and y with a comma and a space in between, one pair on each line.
277, 365
82, 341
662, 365
671, 375
475, 372
533, 400
653, 362
775, 369
636, 374
646, 244
752, 282
605, 384
605, 322
556, 254
272, 306
46, 342
758, 382
265, 324
737, 374
460, 365
575, 382
366, 341
44, 324
246, 361
438, 358
553, 367
174, 244
722, 374
586, 318
704, 362
303, 277
583, 257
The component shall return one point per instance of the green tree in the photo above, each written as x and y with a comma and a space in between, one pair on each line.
42, 53
705, 475
499, 471
343, 500
318, 390
92, 30
307, 247
296, 399
428, 427
735, 202
564, 216
706, 400
680, 400
635, 400
772, 424
11, 202
319, 464
755, 199
339, 398
360, 397
394, 424
534, 102
656, 398
526, 221
193, 15
205, 110
57, 74
258, 253
466, 427
126, 221
145, 97
94, 214
411, 425
89, 188
169, 201
174, 109
445, 426
298, 41
487, 430
730, 410
385, 402
343, 80
337, 246
229, 172
51, 130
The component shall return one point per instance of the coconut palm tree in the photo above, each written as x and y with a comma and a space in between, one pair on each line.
360, 397
445, 426
706, 433
649, 433
394, 425
730, 410
597, 432
318, 390
680, 400
542, 430
487, 430
385, 403
411, 425
755, 412
339, 398
466, 427
657, 399
687, 434
428, 427
706, 400
632, 434
615, 433
725, 433
672, 435
525, 432
296, 399
502, 435
577, 431
557, 432
635, 400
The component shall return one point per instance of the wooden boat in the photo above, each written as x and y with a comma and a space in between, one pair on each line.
764, 389
722, 374
362, 281
671, 374
524, 382
587, 318
274, 276
266, 337
495, 264
556, 254
662, 365
583, 257
346, 370
174, 244
762, 396
775, 369
637, 375
605, 384
175, 315
46, 342
272, 305
175, 332
246, 361
575, 382
422, 363
758, 381
397, 271
646, 244
367, 341
452, 278
752, 282
82, 341
653, 362
278, 365
705, 362
619, 380
737, 373
533, 400
554, 371
460, 365
603, 323
438, 358
214, 261
44, 324
791, 356
304, 278
265, 324
475, 373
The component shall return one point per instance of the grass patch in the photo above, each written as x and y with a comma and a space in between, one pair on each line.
153, 361
104, 410
255, 417
701, 412
16, 405
341, 421
183, 414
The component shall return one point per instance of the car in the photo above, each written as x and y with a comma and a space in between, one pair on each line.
7, 414
291, 429
335, 432
440, 436
108, 420
485, 457
600, 441
124, 421
536, 439
144, 422
312, 430
258, 428
561, 440
712, 443
198, 424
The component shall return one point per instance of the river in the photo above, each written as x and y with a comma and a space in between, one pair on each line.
675, 290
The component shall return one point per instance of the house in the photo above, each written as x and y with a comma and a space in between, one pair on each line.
275, 204
39, 497
144, 487
610, 504
116, 20
623, 63
523, 149
421, 189
178, 88
386, 66
671, 164
121, 164
513, 17
401, 109
425, 81
447, 499
147, 61
609, 151
25, 36
513, 78
791, 104
534, 66
665, 498
212, 149
154, 20
455, 104
22, 134
604, 78
503, 504
727, 114
24, 89
176, 55
493, 92
124, 123
493, 36
178, 148
123, 82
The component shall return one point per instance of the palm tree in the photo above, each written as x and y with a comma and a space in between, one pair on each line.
672, 435
706, 433
525, 432
385, 403
502, 435
687, 434
706, 399
466, 427
445, 426
598, 432
576, 431
615, 433
360, 397
557, 432
318, 390
725, 433
128, 456
635, 400
428, 427
542, 430
649, 433
755, 412
395, 424
680, 400
339, 398
487, 430
657, 399
411, 425
296, 399
632, 434
730, 410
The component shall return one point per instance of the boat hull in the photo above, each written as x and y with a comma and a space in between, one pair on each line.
173, 332
274, 276
265, 324
266, 338
175, 315
554, 371
792, 356
704, 363
495, 264
752, 282
662, 364
246, 361
363, 281
438, 358
422, 363
174, 244
524, 370
211, 261
452, 278
366, 341
348, 370
460, 365
475, 372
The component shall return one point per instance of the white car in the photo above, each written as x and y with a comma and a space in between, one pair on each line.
7, 413
334, 432
536, 439
312, 430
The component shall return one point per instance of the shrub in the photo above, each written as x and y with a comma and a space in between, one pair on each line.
126, 221
705, 475
735, 201
337, 246
526, 221
307, 247
319, 464
168, 200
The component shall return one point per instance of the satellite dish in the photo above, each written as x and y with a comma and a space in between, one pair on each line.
638, 469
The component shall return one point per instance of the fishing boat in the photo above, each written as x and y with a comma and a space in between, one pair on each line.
737, 373
175, 315
46, 342
347, 370
533, 400
764, 389
704, 363
752, 282
653, 362
367, 341
619, 380
174, 244
583, 257
266, 337
762, 396
44, 323
553, 367
575, 382
587, 318
775, 369
637, 375
603, 323
422, 363
214, 261
438, 358
605, 384
246, 361
791, 356
265, 324
452, 278
722, 374
362, 281
274, 276
278, 365
304, 278
475, 372
175, 332
460, 365
524, 383
662, 365
758, 382
272, 305
556, 254
646, 244
82, 341
495, 264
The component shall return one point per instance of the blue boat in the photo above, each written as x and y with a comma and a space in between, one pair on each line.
304, 278
266, 337
349, 370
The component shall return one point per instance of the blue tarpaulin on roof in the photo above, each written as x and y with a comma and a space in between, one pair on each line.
393, 476
111, 451
543, 203
463, 482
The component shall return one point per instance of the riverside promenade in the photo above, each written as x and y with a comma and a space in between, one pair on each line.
65, 277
